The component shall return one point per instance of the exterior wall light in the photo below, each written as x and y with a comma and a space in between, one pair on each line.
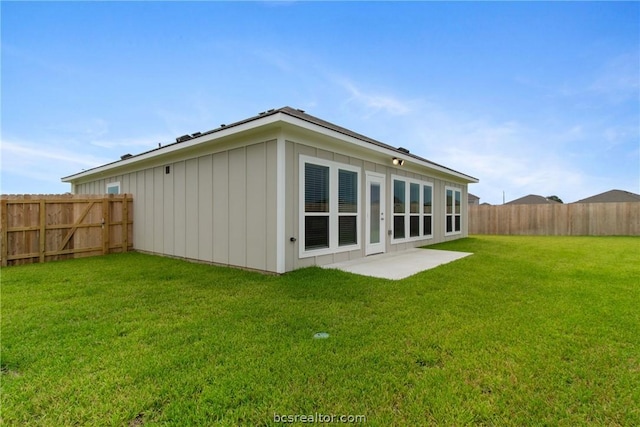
398, 162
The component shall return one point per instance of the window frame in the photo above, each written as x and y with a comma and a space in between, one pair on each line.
407, 214
111, 185
453, 214
334, 211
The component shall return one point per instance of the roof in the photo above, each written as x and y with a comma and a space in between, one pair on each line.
188, 140
612, 196
532, 199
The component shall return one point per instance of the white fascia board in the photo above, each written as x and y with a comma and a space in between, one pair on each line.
370, 146
176, 147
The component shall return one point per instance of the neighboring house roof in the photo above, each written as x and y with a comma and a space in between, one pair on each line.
532, 199
612, 196
281, 114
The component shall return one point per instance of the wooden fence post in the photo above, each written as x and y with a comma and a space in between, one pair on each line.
43, 228
4, 245
105, 225
125, 223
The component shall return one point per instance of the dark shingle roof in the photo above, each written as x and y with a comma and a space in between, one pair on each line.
612, 196
532, 199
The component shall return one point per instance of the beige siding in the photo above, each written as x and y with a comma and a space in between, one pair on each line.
256, 222
205, 208
237, 206
218, 207
158, 210
179, 226
191, 202
221, 207
271, 208
168, 210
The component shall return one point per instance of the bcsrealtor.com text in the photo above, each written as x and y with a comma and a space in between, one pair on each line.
319, 418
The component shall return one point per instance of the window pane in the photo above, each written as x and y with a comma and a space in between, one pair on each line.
414, 225
113, 189
449, 201
316, 232
347, 191
457, 223
427, 225
374, 223
414, 198
449, 223
316, 188
398, 227
398, 196
347, 230
427, 200
457, 194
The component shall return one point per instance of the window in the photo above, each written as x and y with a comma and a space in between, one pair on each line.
398, 208
412, 209
331, 206
347, 207
316, 206
113, 188
427, 207
453, 210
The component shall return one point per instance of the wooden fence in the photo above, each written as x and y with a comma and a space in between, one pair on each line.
40, 228
575, 219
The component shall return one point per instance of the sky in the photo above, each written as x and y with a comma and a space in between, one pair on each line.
528, 97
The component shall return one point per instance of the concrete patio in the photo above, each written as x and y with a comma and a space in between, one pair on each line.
398, 265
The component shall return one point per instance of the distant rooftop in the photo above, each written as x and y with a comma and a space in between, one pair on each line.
532, 199
612, 196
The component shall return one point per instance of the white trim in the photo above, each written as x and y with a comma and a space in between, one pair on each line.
453, 219
333, 213
407, 214
112, 185
280, 204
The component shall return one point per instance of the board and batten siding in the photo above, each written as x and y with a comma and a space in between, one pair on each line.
218, 207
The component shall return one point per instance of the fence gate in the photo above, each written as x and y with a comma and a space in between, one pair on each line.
38, 228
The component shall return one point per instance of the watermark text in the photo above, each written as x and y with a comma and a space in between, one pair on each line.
318, 418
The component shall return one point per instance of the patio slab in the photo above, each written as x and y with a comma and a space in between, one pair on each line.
398, 265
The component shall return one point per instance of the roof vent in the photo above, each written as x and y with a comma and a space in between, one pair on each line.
125, 156
272, 110
302, 111
195, 135
404, 150
183, 138
223, 125
262, 113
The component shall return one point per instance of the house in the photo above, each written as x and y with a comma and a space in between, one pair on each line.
532, 199
473, 199
612, 196
283, 190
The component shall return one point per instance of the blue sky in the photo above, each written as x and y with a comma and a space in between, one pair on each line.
531, 98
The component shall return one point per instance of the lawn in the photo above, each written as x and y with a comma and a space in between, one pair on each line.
527, 331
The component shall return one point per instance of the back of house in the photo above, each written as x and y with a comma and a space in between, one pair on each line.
283, 190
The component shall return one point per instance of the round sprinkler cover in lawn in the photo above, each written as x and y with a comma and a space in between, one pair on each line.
321, 335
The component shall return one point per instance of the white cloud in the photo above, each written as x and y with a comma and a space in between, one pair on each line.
142, 143
373, 102
28, 167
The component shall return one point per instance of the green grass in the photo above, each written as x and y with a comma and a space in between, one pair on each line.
528, 331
